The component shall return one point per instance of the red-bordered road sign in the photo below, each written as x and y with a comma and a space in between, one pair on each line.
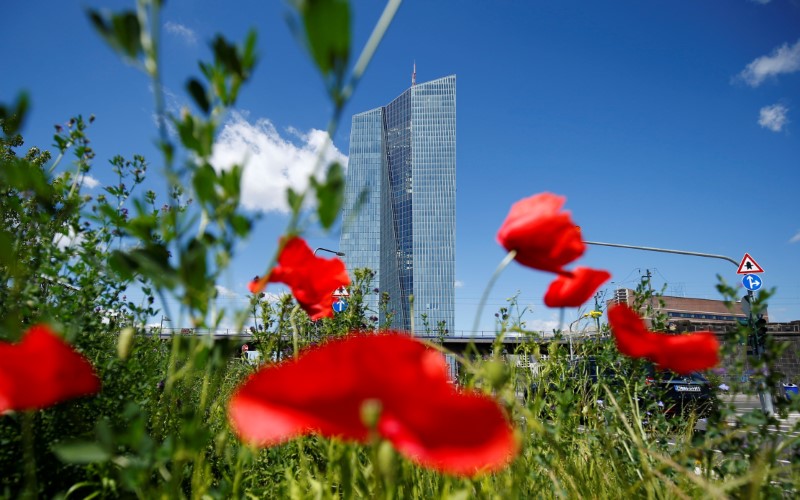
749, 266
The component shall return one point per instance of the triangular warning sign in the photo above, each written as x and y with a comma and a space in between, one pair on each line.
748, 266
341, 292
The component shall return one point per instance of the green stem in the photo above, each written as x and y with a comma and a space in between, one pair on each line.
238, 472
295, 333
29, 455
505, 262
371, 46
360, 67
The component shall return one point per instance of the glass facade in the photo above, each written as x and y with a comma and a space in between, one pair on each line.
399, 212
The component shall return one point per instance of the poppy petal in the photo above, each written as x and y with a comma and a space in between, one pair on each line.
682, 354
630, 334
575, 289
543, 237
469, 434
324, 389
688, 353
311, 279
258, 284
59, 373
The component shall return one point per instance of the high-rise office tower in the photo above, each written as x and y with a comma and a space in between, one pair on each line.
399, 215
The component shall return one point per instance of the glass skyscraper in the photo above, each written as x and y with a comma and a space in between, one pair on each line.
399, 215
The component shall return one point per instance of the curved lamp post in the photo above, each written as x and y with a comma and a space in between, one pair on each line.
764, 396
335, 252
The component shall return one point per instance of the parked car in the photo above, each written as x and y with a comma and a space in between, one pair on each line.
675, 394
680, 394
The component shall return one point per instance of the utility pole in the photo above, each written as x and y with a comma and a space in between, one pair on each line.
647, 278
597, 297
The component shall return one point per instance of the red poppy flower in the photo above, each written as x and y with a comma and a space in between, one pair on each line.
312, 279
680, 353
574, 289
689, 352
544, 237
42, 370
422, 414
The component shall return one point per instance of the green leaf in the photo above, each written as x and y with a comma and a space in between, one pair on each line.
151, 261
293, 199
199, 94
12, 118
81, 452
128, 33
240, 224
194, 272
327, 28
7, 253
330, 195
248, 55
226, 55
204, 182
121, 31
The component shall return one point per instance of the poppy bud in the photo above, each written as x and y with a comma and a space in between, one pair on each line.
371, 412
387, 461
496, 373
124, 342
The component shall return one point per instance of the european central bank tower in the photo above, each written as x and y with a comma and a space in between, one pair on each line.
399, 215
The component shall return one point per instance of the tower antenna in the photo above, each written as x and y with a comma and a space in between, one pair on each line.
414, 75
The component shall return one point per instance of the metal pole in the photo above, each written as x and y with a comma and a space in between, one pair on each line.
570, 335
335, 252
664, 250
764, 395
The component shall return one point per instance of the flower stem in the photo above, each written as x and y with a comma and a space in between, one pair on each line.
505, 262
295, 333
29, 453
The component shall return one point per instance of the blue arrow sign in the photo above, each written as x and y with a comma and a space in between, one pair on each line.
752, 282
339, 306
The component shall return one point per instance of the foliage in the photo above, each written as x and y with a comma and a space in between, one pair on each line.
159, 427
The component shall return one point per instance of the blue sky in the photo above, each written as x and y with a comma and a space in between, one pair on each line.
672, 124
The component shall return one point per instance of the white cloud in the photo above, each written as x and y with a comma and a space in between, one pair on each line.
542, 325
273, 298
795, 238
784, 59
64, 241
762, 2
181, 31
89, 181
226, 293
271, 162
773, 117
172, 106
458, 284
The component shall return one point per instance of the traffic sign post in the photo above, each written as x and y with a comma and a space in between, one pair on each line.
748, 265
752, 282
340, 305
758, 329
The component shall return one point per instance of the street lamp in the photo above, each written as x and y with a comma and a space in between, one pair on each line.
585, 315
335, 252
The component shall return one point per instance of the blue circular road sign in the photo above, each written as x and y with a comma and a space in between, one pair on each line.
339, 306
752, 282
